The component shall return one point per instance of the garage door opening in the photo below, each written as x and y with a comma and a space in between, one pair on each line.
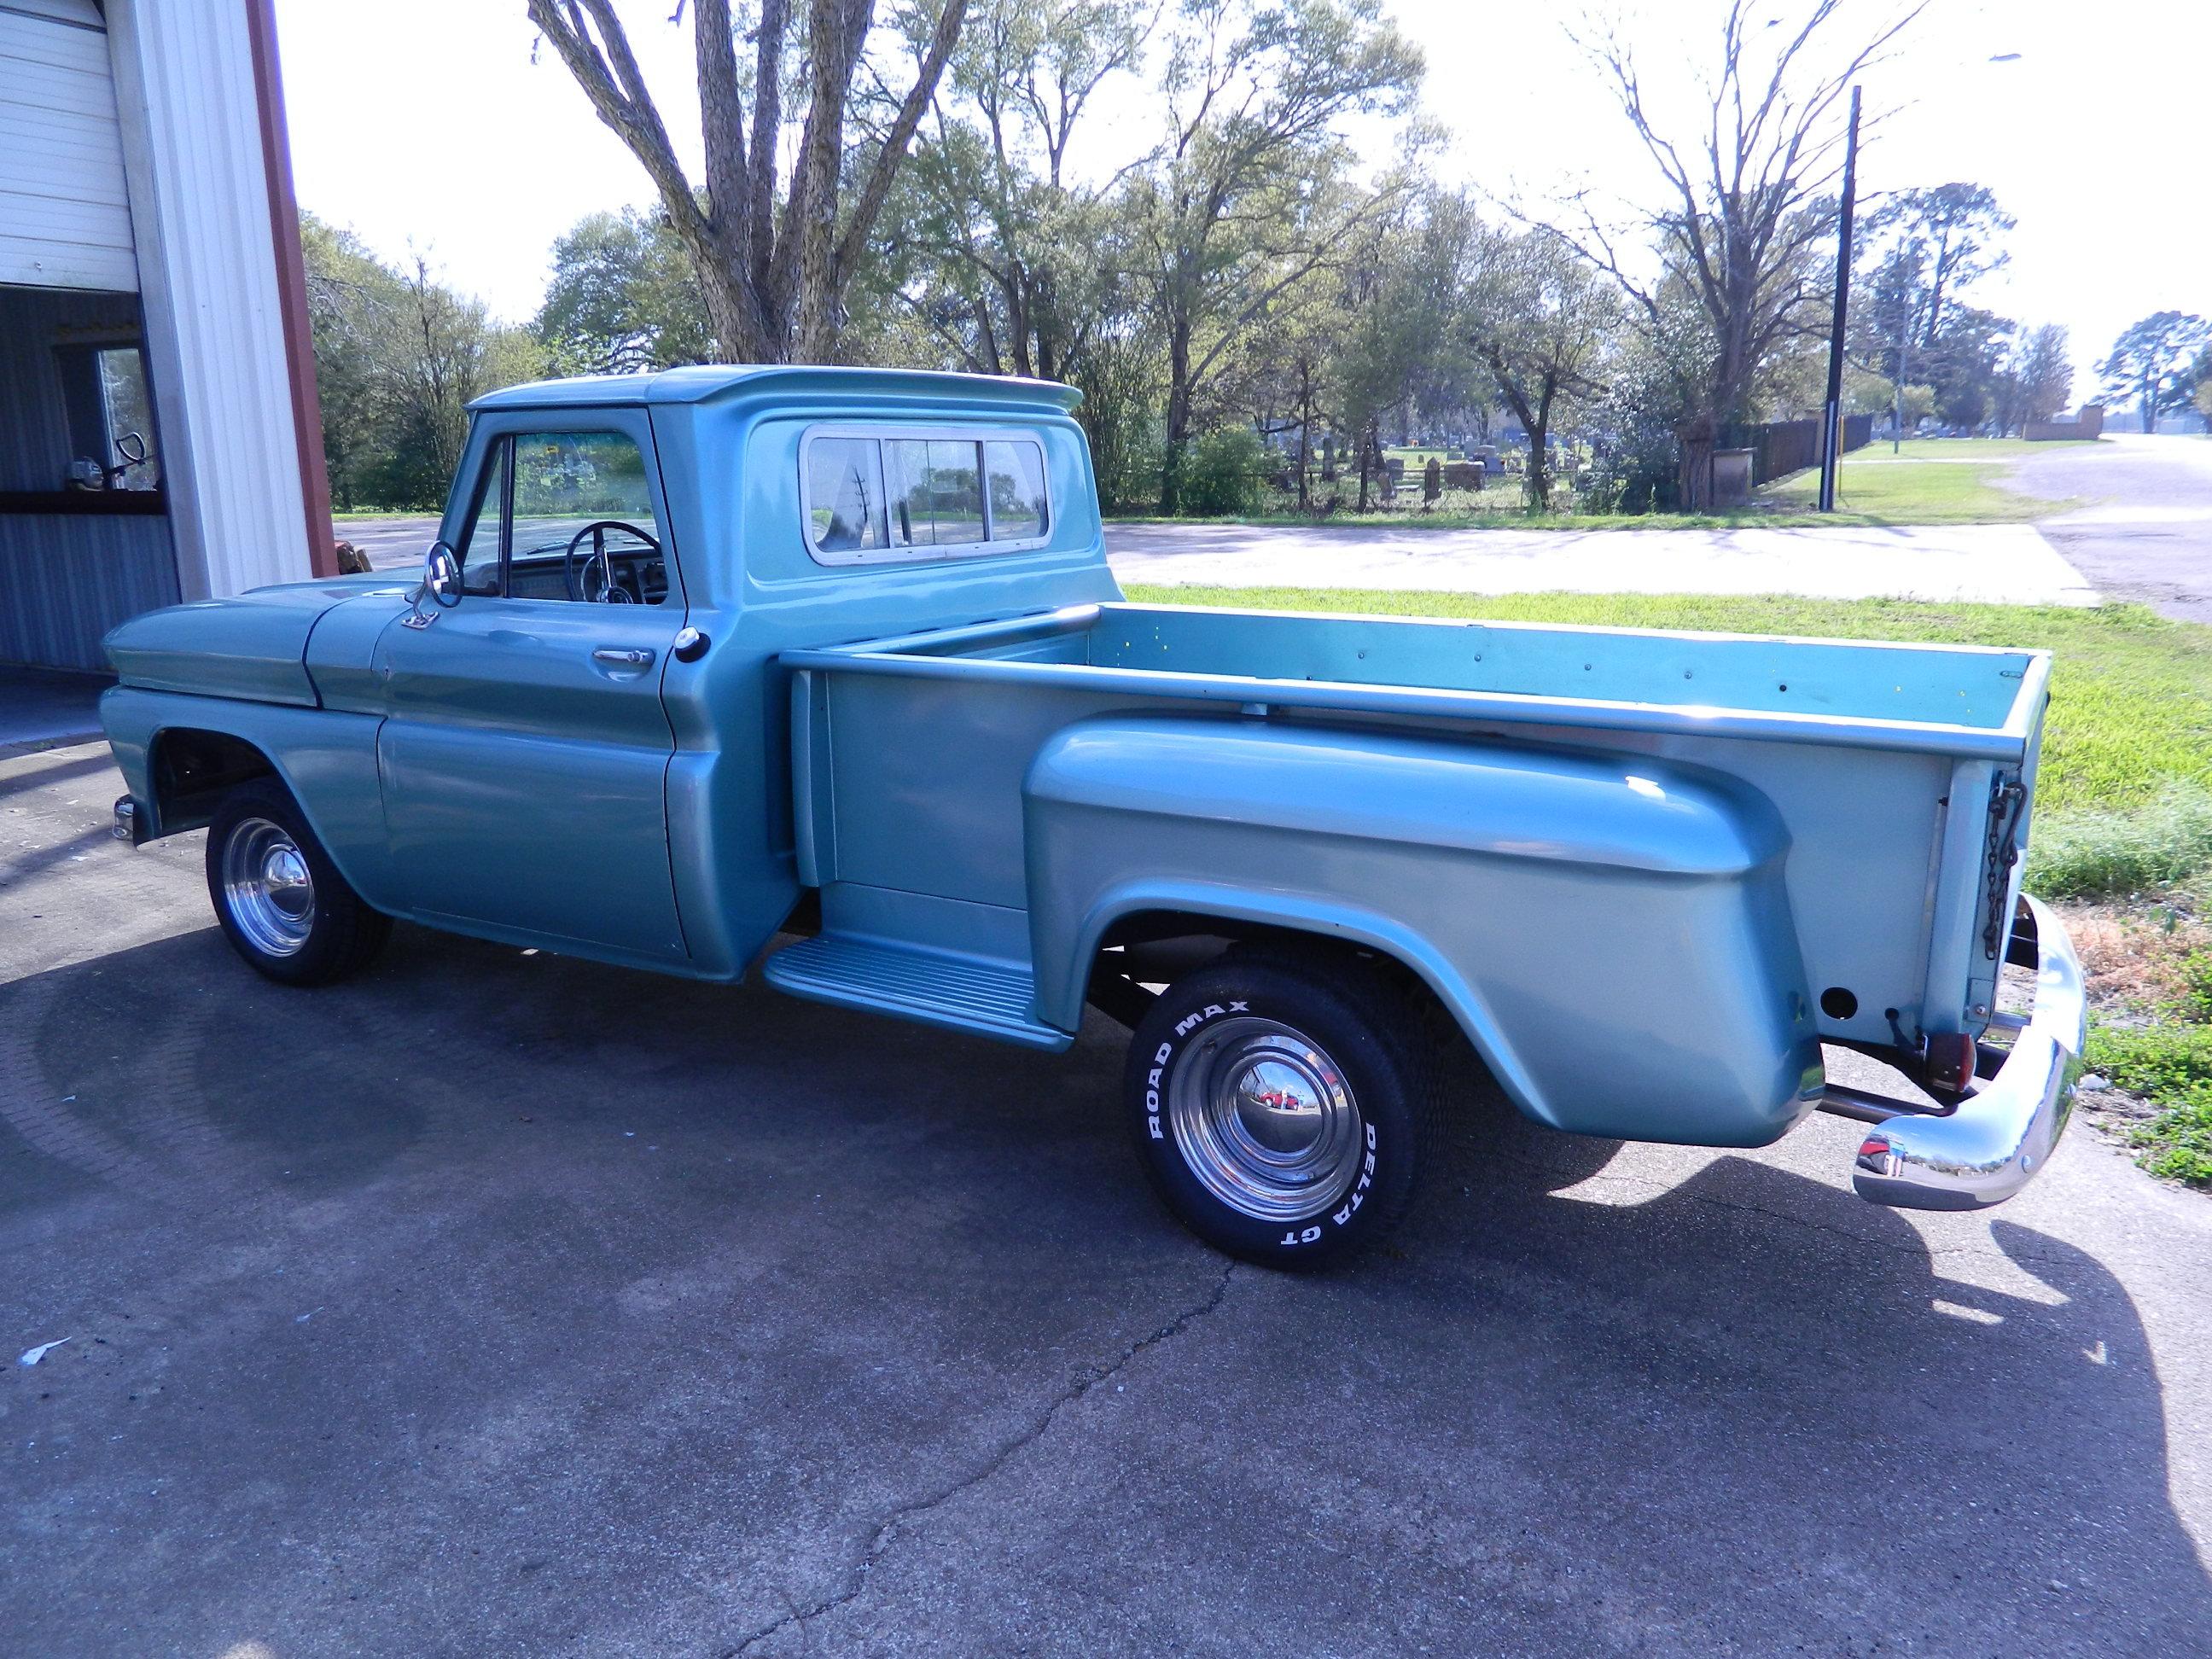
85, 538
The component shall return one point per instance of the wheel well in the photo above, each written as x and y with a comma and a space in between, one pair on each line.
192, 770
1155, 946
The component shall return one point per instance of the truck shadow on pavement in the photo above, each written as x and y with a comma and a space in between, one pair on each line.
495, 1300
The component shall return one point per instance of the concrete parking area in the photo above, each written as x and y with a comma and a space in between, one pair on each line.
497, 1303
42, 707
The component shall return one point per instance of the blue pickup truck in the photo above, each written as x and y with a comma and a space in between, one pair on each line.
821, 673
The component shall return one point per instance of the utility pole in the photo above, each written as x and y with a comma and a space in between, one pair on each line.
1832, 423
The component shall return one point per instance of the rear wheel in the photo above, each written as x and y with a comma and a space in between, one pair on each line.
282, 904
1283, 1103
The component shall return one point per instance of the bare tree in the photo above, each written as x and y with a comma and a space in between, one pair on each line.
1746, 213
773, 272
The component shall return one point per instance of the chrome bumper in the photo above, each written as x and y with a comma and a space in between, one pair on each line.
1986, 1148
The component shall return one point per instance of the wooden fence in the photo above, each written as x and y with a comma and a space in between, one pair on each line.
1781, 448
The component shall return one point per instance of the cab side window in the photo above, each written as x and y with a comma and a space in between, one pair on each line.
483, 550
873, 496
581, 523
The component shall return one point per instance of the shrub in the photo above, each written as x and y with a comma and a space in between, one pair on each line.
2163, 1062
1225, 471
2195, 975
2102, 855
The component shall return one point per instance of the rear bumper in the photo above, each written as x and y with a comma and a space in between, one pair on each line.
2002, 1134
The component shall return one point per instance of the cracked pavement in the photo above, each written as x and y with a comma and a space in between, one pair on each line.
497, 1303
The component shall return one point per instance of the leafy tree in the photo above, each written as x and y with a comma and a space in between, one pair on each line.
398, 357
350, 301
1951, 231
1242, 200
1294, 356
1122, 377
773, 258
1962, 364
993, 245
1398, 289
1542, 322
2038, 377
2153, 358
1924, 248
624, 298
1742, 225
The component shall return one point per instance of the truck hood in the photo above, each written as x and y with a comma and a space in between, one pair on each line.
251, 646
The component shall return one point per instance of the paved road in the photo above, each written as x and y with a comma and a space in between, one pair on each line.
501, 1303
1993, 563
390, 544
1996, 564
2148, 534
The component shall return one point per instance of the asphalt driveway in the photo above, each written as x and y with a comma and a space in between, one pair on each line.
2146, 532
501, 1304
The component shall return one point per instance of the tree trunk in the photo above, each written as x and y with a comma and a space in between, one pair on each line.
1178, 421
1366, 452
1536, 487
1696, 439
1305, 430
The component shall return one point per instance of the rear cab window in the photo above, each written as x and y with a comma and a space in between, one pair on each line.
889, 494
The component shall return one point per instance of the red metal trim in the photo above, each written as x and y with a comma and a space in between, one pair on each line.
292, 287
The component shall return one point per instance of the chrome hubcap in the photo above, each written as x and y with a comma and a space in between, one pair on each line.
1266, 1121
266, 883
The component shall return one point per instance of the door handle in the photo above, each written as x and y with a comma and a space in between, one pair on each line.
623, 656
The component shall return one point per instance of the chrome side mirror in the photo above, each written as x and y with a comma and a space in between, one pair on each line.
442, 575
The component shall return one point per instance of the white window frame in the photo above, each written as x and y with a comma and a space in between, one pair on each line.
880, 433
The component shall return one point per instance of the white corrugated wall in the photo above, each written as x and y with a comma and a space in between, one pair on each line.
64, 211
199, 194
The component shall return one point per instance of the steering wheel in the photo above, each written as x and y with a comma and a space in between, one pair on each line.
609, 592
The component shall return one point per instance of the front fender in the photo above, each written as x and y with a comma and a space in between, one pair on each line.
1612, 932
325, 758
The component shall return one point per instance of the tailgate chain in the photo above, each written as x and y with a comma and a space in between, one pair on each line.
2008, 800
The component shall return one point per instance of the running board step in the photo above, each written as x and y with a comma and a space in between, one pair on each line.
937, 987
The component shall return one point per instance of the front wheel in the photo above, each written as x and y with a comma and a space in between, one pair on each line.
1283, 1104
282, 904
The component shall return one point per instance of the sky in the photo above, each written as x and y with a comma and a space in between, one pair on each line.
425, 125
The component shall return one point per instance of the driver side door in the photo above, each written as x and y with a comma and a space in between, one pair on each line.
525, 751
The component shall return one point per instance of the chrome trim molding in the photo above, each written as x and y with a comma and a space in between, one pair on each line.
2005, 1132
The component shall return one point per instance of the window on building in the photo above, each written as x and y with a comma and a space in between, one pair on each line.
111, 418
127, 415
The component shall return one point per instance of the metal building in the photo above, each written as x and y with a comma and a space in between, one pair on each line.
159, 437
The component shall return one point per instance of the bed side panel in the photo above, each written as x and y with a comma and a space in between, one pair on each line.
1612, 934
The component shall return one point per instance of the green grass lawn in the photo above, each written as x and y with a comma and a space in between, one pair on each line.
2124, 799
1934, 481
1952, 449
